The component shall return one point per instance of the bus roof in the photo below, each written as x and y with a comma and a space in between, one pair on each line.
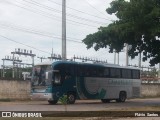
97, 64
44, 63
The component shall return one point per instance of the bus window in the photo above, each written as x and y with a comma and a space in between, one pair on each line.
87, 71
38, 75
100, 72
93, 71
80, 70
115, 72
126, 73
135, 74
69, 70
48, 81
106, 72
57, 78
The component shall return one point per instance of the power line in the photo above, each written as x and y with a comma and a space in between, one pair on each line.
12, 26
58, 11
33, 32
23, 44
40, 12
81, 11
96, 9
36, 32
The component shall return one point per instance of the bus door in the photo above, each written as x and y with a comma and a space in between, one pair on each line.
69, 82
64, 80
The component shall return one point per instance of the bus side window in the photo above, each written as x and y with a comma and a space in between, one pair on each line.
80, 70
106, 72
126, 73
112, 71
115, 72
68, 70
94, 71
135, 74
118, 73
129, 74
91, 71
57, 78
87, 71
100, 72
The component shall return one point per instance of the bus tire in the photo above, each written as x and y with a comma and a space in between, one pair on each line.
53, 102
122, 97
71, 98
105, 100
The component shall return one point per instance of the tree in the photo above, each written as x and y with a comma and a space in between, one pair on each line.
138, 24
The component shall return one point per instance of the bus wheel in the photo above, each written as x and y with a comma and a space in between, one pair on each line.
53, 102
71, 98
105, 100
122, 97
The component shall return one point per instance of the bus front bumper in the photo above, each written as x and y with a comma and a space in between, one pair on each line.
41, 96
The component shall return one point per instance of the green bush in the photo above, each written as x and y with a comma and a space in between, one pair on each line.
64, 101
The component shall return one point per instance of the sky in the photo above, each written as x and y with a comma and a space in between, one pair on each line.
36, 25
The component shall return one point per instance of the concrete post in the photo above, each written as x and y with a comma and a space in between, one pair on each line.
63, 29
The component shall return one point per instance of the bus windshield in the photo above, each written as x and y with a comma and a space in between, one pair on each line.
39, 75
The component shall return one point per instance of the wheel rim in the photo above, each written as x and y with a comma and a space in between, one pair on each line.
71, 98
123, 97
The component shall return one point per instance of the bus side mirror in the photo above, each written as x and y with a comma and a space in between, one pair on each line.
46, 75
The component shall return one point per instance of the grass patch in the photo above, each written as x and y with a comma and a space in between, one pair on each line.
151, 108
146, 97
5, 100
13, 100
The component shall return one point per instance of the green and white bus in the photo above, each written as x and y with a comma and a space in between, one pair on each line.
85, 81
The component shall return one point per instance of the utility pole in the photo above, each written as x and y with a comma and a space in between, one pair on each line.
13, 70
41, 58
22, 52
52, 54
139, 61
126, 54
55, 57
25, 53
118, 58
63, 29
114, 57
14, 60
3, 69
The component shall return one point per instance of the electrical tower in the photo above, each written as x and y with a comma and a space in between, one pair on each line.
25, 53
9, 58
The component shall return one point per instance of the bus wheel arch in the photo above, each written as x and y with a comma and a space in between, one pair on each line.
122, 96
71, 96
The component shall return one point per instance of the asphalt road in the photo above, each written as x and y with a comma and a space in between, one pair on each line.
152, 104
136, 105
